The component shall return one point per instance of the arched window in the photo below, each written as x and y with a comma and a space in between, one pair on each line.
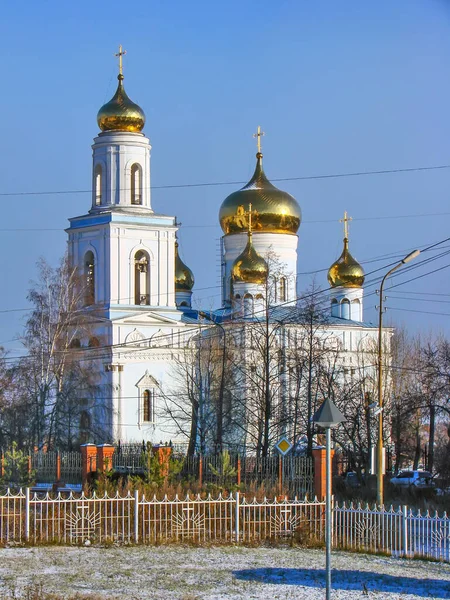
345, 309
334, 308
85, 420
94, 342
98, 185
283, 286
148, 406
141, 278
356, 310
248, 305
75, 343
136, 184
89, 278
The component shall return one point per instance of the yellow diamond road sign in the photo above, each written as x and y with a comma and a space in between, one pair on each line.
283, 446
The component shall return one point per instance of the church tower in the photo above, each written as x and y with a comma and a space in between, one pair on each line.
276, 218
346, 278
126, 254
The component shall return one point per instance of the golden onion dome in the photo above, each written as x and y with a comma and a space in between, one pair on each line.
346, 271
120, 113
184, 278
249, 266
274, 211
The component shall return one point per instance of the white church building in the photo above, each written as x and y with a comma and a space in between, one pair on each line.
139, 291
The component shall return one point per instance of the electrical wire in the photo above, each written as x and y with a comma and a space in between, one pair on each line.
221, 183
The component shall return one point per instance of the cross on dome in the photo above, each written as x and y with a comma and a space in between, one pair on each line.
346, 221
258, 135
119, 55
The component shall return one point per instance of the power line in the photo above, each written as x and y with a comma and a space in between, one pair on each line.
221, 183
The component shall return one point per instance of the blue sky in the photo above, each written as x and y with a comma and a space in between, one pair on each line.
338, 87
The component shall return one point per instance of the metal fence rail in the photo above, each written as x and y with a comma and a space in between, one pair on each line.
76, 518
189, 518
400, 532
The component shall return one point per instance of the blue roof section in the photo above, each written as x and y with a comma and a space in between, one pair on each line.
286, 314
102, 218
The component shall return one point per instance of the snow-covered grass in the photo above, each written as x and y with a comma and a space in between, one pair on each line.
213, 573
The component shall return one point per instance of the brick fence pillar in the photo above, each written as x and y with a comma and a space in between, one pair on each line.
163, 453
105, 457
88, 461
320, 471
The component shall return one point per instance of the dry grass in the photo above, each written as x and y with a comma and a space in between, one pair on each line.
36, 592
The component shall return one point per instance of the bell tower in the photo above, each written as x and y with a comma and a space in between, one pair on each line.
126, 256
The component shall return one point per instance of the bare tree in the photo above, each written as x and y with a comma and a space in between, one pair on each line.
55, 373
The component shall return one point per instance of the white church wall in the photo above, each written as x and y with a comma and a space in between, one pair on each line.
283, 246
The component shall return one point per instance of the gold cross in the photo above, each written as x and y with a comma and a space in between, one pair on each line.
250, 217
120, 54
258, 136
346, 221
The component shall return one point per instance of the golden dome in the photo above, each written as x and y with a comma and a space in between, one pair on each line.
249, 266
274, 211
184, 278
120, 113
346, 271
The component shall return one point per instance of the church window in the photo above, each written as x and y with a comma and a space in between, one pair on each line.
248, 305
345, 309
89, 278
98, 185
356, 310
136, 184
85, 420
75, 343
94, 342
334, 308
148, 406
283, 289
141, 278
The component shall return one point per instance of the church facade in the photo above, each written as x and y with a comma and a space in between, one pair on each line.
138, 290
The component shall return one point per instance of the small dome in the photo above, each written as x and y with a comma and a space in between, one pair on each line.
346, 271
274, 211
120, 113
249, 266
184, 278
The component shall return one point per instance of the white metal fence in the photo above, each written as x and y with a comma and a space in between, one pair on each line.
76, 518
401, 531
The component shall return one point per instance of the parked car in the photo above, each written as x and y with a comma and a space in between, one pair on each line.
416, 478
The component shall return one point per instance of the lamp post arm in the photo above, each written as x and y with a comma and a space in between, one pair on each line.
380, 482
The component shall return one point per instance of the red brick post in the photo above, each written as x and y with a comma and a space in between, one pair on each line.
28, 464
58, 467
105, 457
163, 453
2, 466
239, 470
320, 471
88, 461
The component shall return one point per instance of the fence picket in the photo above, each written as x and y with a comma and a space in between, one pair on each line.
76, 518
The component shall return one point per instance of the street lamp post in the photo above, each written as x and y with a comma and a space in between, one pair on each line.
380, 482
328, 416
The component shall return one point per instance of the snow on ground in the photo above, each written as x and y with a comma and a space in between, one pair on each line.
216, 573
